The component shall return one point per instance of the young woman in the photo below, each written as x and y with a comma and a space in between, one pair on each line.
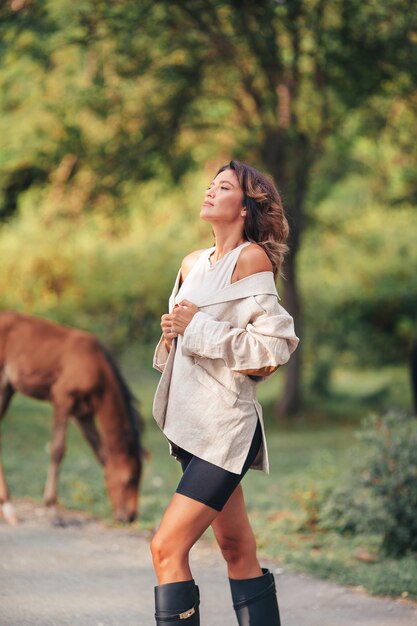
224, 333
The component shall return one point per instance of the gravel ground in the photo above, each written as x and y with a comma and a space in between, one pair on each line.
82, 573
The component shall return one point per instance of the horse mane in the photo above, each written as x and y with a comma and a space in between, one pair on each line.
130, 401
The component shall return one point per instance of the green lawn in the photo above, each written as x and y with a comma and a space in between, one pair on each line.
305, 456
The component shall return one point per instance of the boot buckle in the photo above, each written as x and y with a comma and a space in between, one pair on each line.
187, 614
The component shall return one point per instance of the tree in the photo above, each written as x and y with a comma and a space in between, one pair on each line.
81, 85
127, 90
288, 72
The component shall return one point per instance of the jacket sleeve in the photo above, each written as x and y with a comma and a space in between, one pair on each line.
160, 356
161, 353
259, 349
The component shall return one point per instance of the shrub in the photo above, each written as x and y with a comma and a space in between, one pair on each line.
380, 495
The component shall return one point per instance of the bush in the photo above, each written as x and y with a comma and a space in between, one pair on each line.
357, 279
322, 373
111, 277
380, 495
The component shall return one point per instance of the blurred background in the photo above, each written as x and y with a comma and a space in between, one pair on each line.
114, 118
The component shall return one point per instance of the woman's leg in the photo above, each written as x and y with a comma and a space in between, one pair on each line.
236, 539
182, 524
252, 588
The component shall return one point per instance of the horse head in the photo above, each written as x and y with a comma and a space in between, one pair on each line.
122, 473
121, 429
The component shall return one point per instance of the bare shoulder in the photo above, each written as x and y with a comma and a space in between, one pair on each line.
251, 260
188, 262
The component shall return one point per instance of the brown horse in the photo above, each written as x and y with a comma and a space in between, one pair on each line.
71, 369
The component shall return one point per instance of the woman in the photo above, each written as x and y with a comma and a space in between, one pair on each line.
224, 333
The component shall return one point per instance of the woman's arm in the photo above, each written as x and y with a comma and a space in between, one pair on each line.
266, 343
257, 350
260, 348
252, 259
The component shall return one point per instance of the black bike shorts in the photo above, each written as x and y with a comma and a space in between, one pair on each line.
208, 483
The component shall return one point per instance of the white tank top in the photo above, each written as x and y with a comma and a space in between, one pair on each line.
206, 278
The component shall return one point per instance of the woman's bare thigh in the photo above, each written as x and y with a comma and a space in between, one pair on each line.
182, 524
185, 520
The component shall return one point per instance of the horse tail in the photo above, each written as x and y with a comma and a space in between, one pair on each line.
130, 402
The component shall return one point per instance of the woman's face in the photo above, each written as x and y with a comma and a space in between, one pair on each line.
223, 201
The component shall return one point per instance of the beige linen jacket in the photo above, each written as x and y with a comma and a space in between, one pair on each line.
240, 335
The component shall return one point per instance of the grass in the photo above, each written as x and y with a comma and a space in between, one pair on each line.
307, 454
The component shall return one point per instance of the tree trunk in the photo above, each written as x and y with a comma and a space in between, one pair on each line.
290, 400
413, 374
289, 162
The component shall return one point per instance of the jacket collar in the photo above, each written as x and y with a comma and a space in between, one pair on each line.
258, 284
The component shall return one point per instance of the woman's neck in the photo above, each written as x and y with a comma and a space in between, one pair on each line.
226, 243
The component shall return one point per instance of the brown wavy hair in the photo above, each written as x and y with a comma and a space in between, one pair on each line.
265, 222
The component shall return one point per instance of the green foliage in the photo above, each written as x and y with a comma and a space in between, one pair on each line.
102, 99
95, 107
357, 263
380, 497
322, 372
112, 278
138, 89
359, 287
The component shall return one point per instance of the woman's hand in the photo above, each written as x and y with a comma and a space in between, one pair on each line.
175, 323
182, 315
167, 330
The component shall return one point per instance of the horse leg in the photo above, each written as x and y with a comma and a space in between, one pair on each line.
60, 423
6, 394
90, 432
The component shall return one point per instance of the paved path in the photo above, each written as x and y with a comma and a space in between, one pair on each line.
84, 574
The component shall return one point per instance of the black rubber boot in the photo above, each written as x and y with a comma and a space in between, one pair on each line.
255, 600
177, 603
